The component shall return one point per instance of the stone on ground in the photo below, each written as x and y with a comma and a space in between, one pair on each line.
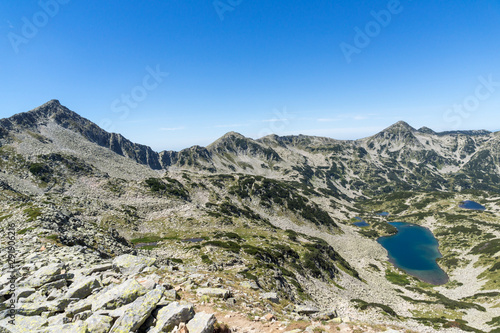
213, 292
201, 323
83, 288
129, 264
122, 294
99, 323
138, 312
172, 315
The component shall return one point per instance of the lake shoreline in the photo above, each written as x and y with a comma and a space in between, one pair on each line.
432, 274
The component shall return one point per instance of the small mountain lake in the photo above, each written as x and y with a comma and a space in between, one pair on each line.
468, 204
414, 249
140, 245
385, 214
193, 240
361, 222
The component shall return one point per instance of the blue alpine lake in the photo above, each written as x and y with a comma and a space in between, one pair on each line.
468, 204
361, 223
414, 249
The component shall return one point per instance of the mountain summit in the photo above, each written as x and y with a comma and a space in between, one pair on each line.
400, 126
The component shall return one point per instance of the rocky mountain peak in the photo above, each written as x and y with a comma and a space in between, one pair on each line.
272, 137
397, 130
426, 130
50, 108
400, 126
54, 112
39, 115
229, 139
395, 137
229, 136
51, 103
233, 134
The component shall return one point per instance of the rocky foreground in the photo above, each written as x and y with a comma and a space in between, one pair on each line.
61, 288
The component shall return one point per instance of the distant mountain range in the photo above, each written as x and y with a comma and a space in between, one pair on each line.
398, 158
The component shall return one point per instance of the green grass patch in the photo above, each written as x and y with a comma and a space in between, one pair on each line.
362, 305
229, 235
441, 299
38, 169
396, 278
490, 294
5, 217
495, 267
175, 260
438, 323
495, 322
249, 276
32, 213
461, 324
292, 235
206, 259
147, 239
488, 248
230, 246
172, 187
25, 230
369, 233
149, 247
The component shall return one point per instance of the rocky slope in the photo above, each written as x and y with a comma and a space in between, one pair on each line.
253, 217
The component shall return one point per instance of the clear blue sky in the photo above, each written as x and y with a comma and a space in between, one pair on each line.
255, 67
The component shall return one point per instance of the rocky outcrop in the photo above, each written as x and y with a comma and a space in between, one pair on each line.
73, 231
172, 315
73, 289
129, 264
138, 312
201, 323
214, 292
